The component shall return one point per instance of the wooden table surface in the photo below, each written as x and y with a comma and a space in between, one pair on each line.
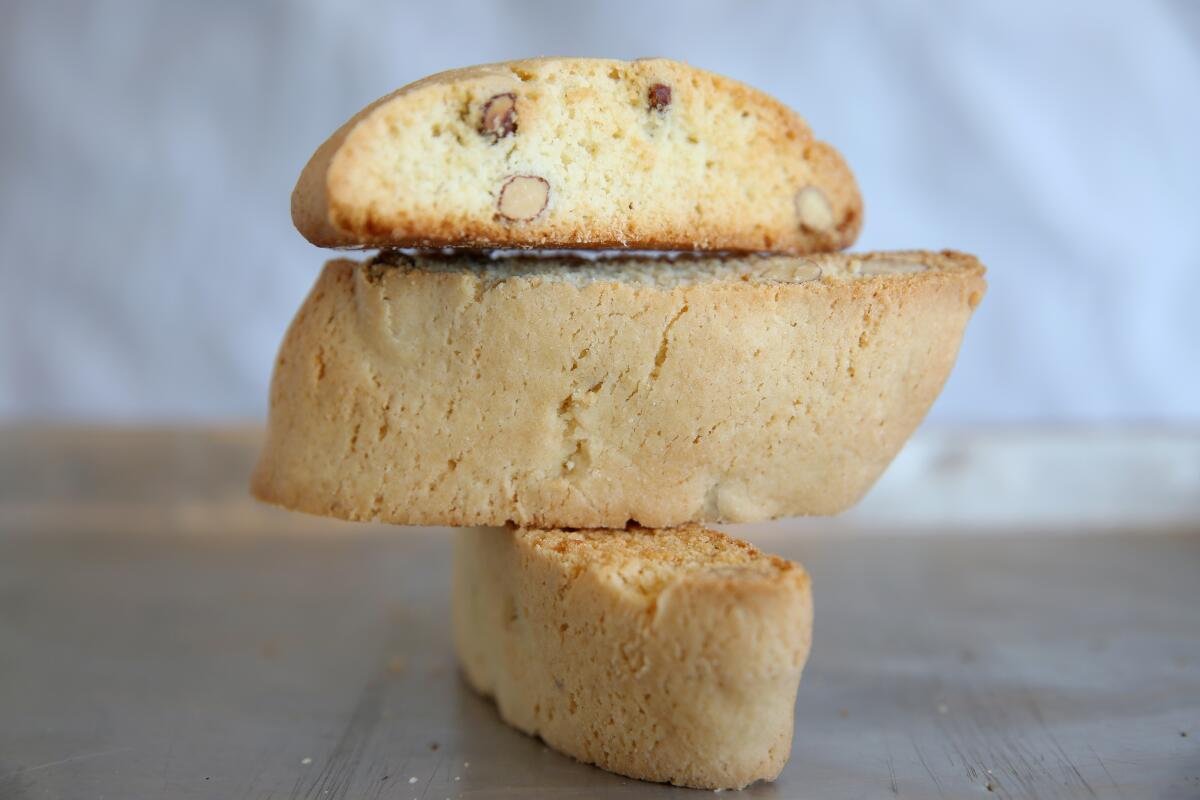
162, 636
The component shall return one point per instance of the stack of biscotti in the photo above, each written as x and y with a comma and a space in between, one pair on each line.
480, 371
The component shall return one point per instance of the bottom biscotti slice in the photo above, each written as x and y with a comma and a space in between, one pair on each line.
667, 655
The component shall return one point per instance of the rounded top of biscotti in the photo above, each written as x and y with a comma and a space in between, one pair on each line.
647, 560
581, 153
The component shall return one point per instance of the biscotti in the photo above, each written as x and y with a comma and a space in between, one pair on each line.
477, 391
577, 152
669, 655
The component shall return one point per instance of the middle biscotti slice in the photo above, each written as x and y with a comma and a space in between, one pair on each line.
473, 391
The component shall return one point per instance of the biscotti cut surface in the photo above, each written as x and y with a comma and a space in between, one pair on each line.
665, 655
577, 152
472, 391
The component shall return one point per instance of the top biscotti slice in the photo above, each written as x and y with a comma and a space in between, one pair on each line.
578, 153
469, 391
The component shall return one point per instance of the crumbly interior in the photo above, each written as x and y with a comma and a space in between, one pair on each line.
646, 560
718, 165
667, 270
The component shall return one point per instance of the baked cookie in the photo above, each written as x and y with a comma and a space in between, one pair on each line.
476, 391
670, 655
578, 153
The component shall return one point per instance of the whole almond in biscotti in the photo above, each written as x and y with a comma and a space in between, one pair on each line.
476, 391
523, 198
650, 154
499, 116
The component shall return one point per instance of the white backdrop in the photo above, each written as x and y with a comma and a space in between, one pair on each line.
148, 265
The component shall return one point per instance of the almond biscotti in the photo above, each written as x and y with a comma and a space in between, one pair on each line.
670, 655
479, 391
578, 152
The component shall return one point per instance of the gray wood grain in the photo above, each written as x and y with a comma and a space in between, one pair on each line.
162, 636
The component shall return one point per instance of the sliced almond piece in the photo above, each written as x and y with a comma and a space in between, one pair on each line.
789, 271
813, 209
806, 272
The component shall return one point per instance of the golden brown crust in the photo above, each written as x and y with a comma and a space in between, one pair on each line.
665, 655
716, 169
477, 393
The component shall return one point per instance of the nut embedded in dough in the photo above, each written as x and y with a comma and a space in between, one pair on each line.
659, 97
523, 198
813, 209
499, 118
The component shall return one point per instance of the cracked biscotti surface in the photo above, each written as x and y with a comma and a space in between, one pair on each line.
472, 391
666, 655
576, 152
